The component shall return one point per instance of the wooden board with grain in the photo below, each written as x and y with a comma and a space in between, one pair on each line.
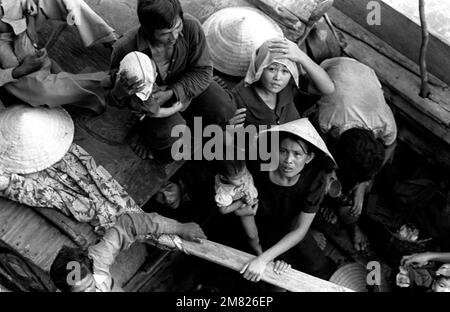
402, 85
401, 33
30, 233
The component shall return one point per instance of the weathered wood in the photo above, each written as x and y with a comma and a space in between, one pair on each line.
392, 30
424, 88
433, 114
36, 238
346, 24
292, 280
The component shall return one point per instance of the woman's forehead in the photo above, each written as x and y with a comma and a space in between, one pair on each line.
298, 144
278, 65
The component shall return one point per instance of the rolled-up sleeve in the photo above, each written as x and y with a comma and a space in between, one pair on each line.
129, 228
199, 72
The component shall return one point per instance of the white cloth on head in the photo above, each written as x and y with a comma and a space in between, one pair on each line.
139, 65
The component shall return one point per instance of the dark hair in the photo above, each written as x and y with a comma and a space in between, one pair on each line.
229, 168
158, 14
359, 155
59, 271
320, 158
287, 135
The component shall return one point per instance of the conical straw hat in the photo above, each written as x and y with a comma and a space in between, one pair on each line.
352, 276
305, 130
33, 138
233, 34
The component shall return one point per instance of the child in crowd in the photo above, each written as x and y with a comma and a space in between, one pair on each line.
236, 192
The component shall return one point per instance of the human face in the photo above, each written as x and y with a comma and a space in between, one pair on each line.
275, 77
168, 36
169, 195
238, 179
441, 284
87, 284
293, 157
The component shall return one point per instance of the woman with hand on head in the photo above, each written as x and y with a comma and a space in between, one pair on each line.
277, 72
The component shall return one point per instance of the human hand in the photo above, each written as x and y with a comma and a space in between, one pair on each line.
191, 232
254, 269
161, 97
4, 181
416, 260
247, 210
238, 119
284, 48
163, 112
280, 267
30, 64
126, 87
30, 7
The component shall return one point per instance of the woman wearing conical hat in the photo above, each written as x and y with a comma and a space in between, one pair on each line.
278, 71
289, 198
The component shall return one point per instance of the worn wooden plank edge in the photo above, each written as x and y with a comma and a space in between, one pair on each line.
292, 280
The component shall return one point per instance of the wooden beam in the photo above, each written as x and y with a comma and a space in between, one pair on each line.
292, 280
401, 33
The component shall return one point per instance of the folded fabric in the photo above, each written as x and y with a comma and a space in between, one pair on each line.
139, 65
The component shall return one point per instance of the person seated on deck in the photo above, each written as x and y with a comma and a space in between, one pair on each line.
278, 71
289, 198
359, 127
40, 166
29, 74
416, 270
95, 262
177, 44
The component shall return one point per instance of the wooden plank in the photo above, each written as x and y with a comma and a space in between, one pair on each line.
346, 24
401, 33
292, 280
433, 114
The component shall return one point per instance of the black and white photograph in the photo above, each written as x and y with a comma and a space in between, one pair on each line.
225, 151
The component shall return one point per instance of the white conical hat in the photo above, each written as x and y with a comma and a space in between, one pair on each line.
233, 34
33, 138
304, 129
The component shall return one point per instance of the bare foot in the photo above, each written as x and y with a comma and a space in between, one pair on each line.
328, 214
360, 241
139, 146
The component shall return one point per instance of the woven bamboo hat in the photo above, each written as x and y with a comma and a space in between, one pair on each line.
304, 129
233, 34
33, 138
352, 276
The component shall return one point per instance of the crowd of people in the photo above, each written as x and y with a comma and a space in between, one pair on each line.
162, 72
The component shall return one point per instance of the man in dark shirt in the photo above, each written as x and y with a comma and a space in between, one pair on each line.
177, 45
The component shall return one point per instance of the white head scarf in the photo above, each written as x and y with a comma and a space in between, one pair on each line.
137, 64
263, 58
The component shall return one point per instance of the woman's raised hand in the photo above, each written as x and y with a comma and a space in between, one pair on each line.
287, 49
